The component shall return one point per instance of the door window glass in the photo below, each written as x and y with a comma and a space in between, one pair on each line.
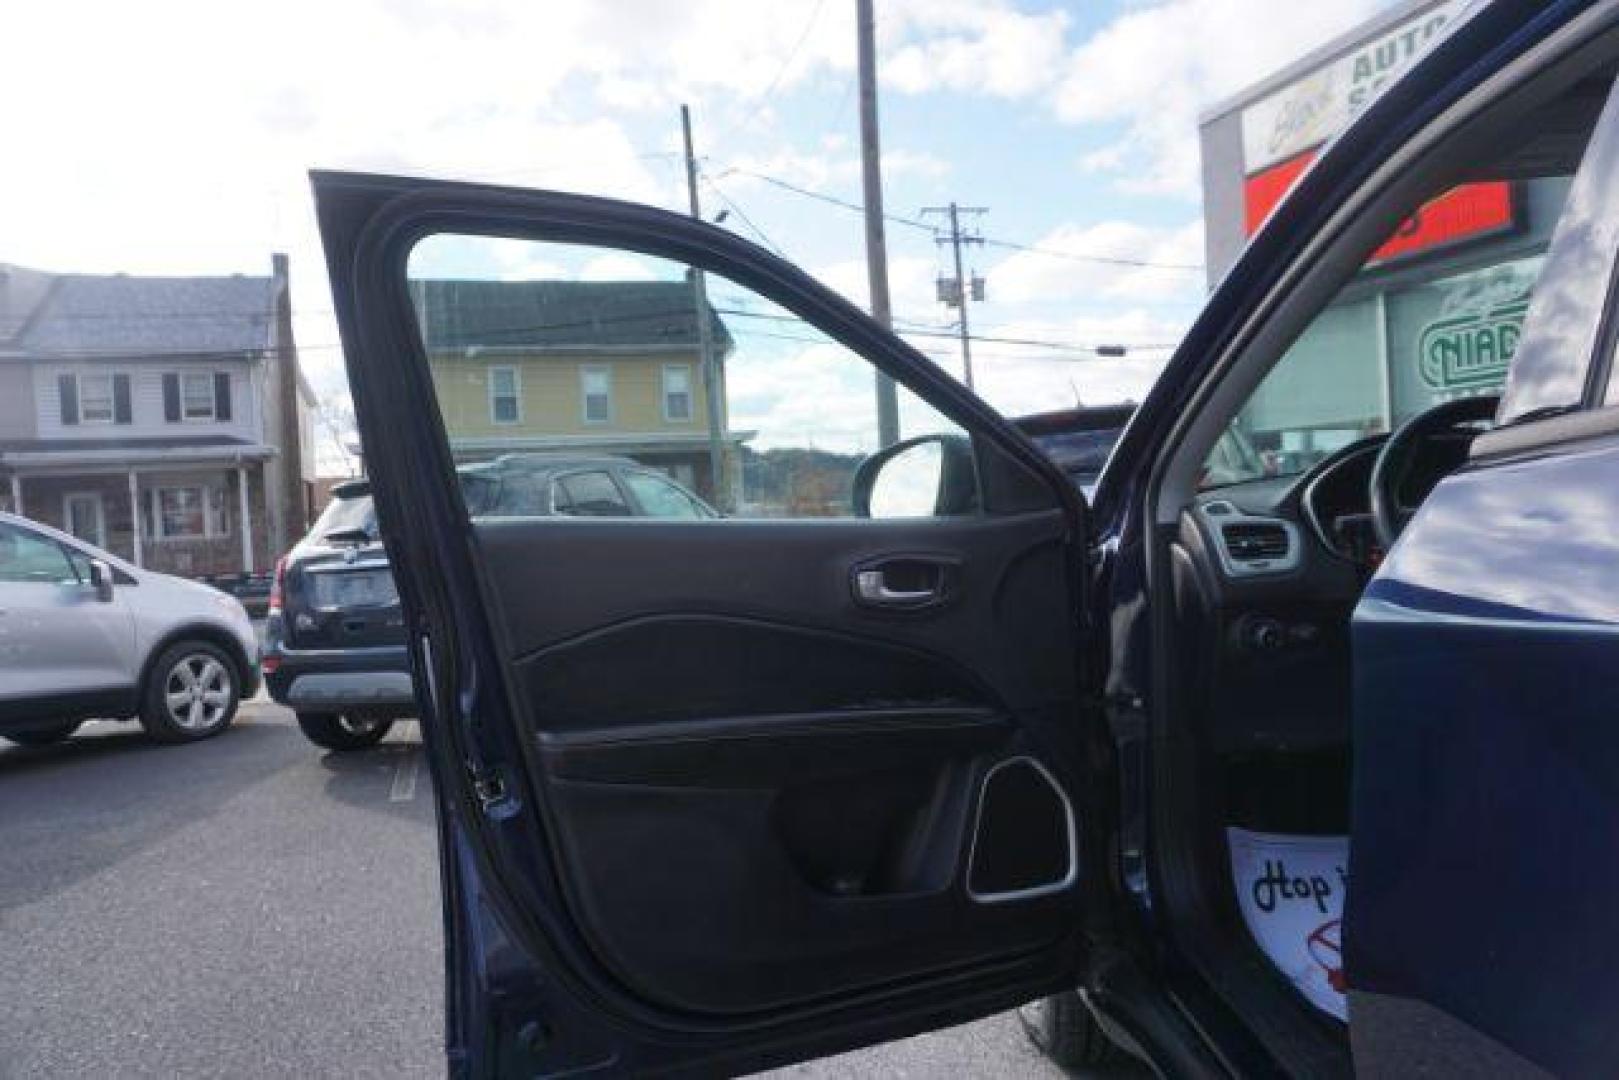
659, 498
591, 494
614, 360
1398, 340
28, 557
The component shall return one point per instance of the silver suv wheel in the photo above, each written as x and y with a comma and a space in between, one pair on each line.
198, 692
191, 692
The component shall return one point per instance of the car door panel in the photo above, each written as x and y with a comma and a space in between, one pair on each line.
59, 642
786, 632
706, 771
767, 764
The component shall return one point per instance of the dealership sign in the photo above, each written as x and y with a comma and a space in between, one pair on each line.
1467, 212
1282, 132
1308, 111
1467, 351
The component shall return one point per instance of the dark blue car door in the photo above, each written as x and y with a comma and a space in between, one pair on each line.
714, 793
1481, 930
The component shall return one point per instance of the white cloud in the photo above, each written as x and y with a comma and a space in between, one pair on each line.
970, 46
1153, 69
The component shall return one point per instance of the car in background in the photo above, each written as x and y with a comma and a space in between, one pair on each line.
85, 635
1080, 440
335, 636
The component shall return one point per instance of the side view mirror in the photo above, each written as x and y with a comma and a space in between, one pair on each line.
928, 476
101, 580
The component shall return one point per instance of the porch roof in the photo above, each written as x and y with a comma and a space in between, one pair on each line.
110, 455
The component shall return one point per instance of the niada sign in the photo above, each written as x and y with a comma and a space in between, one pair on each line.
1473, 349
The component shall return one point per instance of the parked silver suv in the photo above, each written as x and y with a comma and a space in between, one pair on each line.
85, 635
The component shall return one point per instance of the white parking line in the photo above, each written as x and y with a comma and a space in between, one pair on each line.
404, 785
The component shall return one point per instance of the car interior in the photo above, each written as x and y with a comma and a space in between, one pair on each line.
1265, 569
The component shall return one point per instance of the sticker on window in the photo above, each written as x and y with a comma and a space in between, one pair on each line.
1291, 891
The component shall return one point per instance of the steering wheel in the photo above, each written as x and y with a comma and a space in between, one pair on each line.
1400, 450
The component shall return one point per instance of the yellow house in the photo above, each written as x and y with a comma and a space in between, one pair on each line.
600, 367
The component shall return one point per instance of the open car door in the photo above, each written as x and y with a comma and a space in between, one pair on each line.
715, 792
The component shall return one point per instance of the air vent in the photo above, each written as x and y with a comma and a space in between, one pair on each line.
1246, 541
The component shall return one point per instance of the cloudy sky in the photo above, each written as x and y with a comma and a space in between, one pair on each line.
175, 137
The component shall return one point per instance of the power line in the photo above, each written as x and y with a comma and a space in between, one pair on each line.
952, 334
1013, 245
731, 205
832, 199
1110, 260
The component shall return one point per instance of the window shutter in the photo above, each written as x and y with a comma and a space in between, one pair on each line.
171, 398
67, 388
221, 395
120, 400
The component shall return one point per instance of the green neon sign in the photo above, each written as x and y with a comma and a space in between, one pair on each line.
1471, 350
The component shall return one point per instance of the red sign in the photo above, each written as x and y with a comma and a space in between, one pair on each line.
1461, 213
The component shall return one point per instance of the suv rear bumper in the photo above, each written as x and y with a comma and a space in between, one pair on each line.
375, 680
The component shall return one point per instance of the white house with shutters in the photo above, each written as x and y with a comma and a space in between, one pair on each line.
164, 419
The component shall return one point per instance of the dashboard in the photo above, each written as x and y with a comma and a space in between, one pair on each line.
1266, 575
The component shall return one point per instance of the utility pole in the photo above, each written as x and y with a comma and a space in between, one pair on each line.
707, 360
876, 242
955, 292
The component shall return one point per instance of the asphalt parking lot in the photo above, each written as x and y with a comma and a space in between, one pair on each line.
252, 906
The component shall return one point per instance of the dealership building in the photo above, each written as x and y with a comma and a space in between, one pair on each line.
1438, 307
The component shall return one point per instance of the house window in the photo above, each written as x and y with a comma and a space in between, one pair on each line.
505, 393
189, 512
197, 395
677, 393
95, 399
597, 386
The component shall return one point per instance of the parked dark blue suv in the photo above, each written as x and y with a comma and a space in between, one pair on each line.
334, 641
1291, 762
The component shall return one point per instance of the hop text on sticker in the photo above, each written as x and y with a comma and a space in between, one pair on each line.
1276, 884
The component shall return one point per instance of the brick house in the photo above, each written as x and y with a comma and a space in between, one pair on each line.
163, 418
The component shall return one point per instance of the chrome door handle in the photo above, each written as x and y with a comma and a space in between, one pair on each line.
905, 582
871, 586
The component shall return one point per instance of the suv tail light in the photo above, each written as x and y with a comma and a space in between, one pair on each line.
275, 583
